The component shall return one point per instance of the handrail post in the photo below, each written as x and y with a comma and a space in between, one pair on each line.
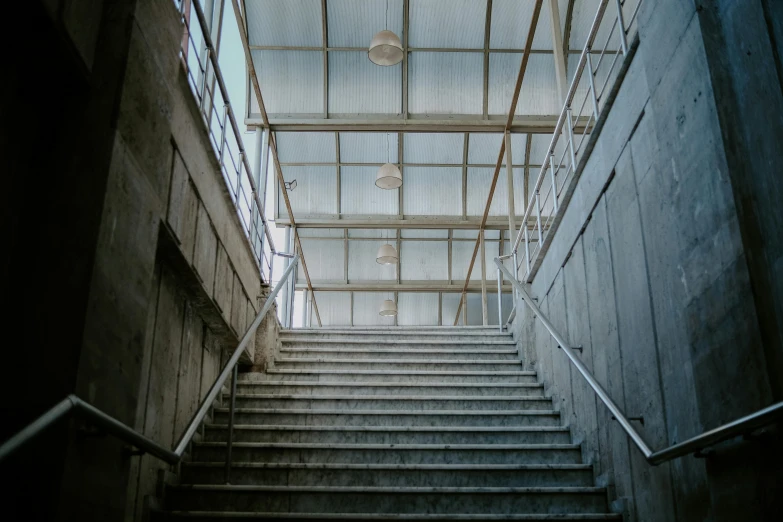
621, 22
230, 440
538, 217
500, 301
554, 183
527, 250
569, 126
591, 77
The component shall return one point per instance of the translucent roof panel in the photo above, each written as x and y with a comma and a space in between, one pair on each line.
325, 259
386, 234
417, 308
447, 23
315, 192
479, 181
368, 147
306, 147
445, 83
582, 21
292, 23
440, 148
424, 260
366, 306
539, 144
320, 232
334, 308
538, 96
291, 81
408, 233
353, 23
432, 191
358, 86
360, 196
511, 20
483, 148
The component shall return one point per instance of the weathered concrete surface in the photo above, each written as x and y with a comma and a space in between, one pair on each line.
664, 265
104, 311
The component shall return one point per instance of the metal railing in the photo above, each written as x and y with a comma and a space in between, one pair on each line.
200, 61
74, 405
590, 85
741, 426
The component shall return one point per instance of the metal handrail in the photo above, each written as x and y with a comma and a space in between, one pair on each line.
73, 404
737, 427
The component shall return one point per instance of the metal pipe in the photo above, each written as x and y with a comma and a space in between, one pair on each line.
538, 219
554, 183
570, 144
500, 301
231, 405
206, 404
527, 249
591, 381
621, 22
516, 275
591, 77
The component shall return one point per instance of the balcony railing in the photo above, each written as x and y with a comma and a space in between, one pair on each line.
200, 61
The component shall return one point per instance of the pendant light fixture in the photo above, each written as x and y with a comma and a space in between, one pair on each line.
385, 46
388, 308
387, 255
389, 175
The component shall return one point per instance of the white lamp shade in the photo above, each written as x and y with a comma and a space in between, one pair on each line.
388, 177
385, 49
388, 308
387, 255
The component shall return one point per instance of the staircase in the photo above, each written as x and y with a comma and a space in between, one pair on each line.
389, 424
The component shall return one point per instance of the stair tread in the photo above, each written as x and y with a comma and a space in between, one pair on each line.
398, 372
388, 490
453, 342
446, 467
523, 398
396, 361
383, 516
394, 350
316, 445
469, 429
382, 384
389, 412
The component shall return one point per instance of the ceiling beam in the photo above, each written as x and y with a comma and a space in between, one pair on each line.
325, 41
557, 45
415, 49
471, 223
485, 88
405, 15
391, 286
383, 123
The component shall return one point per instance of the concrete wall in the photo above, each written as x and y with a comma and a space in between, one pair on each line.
126, 260
656, 269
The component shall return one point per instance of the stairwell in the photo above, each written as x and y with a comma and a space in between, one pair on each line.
389, 424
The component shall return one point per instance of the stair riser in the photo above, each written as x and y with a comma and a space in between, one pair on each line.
357, 364
358, 419
400, 336
391, 389
461, 355
389, 477
158, 516
388, 455
387, 437
311, 375
395, 404
457, 503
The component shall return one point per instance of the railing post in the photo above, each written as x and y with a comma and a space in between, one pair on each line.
527, 251
204, 83
569, 125
230, 440
538, 216
223, 136
516, 274
621, 22
554, 183
500, 300
591, 77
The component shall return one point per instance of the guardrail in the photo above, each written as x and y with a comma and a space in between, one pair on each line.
74, 405
198, 57
592, 77
741, 426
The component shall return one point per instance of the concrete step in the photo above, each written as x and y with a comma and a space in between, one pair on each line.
339, 352
400, 376
405, 365
229, 516
306, 417
391, 434
390, 453
390, 475
289, 499
483, 389
390, 402
478, 342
